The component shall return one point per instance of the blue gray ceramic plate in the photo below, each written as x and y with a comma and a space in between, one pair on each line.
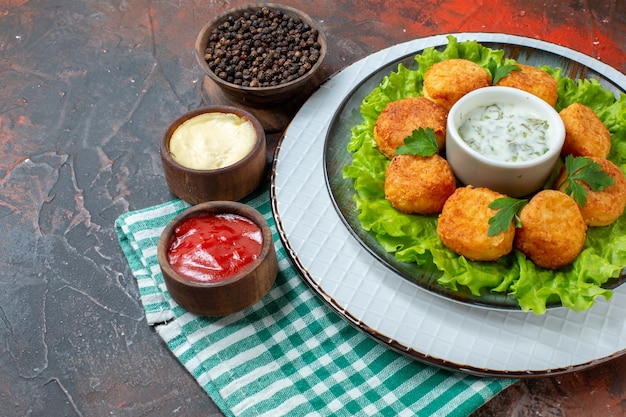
336, 156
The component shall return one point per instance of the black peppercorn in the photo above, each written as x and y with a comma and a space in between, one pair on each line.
262, 49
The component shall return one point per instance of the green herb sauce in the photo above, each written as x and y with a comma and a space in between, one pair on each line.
506, 132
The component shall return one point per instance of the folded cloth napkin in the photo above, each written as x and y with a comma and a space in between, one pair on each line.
289, 354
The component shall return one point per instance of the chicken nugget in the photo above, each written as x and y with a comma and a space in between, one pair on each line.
417, 184
553, 231
464, 224
534, 81
585, 134
400, 118
602, 207
447, 81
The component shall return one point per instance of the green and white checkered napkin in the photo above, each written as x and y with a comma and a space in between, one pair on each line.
289, 354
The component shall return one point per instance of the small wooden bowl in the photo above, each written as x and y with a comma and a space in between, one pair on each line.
231, 294
259, 95
231, 182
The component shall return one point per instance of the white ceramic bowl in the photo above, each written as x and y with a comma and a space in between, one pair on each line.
515, 179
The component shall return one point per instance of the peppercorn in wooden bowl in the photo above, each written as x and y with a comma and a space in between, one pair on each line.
217, 258
262, 53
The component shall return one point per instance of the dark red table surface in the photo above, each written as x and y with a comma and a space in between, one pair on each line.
88, 87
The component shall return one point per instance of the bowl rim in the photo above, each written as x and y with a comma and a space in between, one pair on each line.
207, 209
200, 46
536, 104
164, 148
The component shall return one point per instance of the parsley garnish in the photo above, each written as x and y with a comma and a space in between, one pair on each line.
577, 169
421, 142
585, 170
500, 71
508, 209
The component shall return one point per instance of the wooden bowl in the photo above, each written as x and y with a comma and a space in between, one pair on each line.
231, 182
259, 95
228, 295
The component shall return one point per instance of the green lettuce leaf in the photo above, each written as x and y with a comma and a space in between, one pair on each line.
413, 238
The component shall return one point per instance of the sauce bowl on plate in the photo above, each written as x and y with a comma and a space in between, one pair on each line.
504, 139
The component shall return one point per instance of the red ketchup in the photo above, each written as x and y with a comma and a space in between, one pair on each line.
214, 248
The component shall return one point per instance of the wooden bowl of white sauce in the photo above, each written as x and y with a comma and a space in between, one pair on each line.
214, 153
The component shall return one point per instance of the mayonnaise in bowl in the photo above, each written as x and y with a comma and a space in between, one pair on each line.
212, 140
214, 153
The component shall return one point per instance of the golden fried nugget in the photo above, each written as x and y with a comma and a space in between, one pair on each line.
419, 185
553, 231
447, 81
585, 134
534, 81
400, 118
464, 223
605, 206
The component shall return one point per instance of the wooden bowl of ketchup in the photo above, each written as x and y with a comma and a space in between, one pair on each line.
217, 258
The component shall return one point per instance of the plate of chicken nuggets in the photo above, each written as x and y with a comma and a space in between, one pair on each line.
442, 224
402, 304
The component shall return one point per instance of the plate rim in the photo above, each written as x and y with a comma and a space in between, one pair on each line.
613, 75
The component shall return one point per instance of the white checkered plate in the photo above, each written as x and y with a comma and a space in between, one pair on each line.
373, 294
